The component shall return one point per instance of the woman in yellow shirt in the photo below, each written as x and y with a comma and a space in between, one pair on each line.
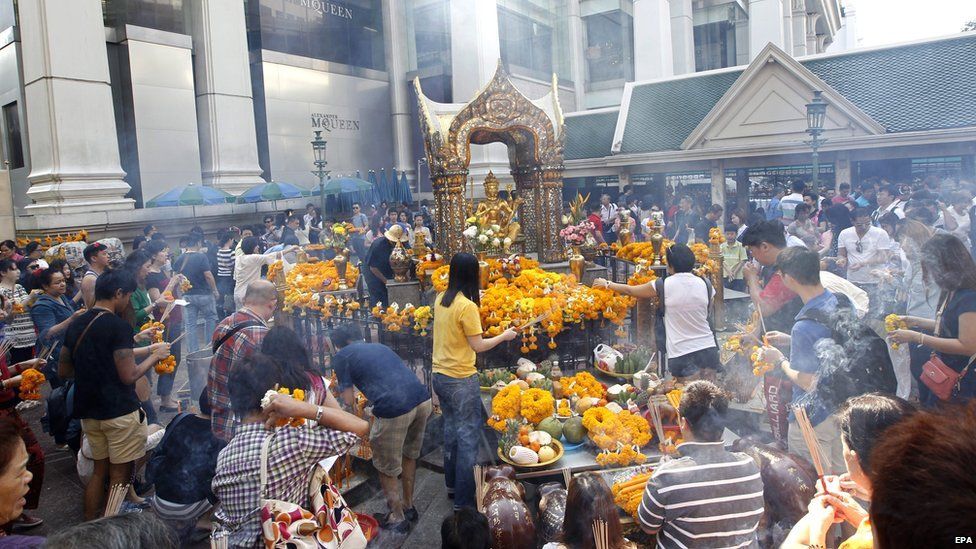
863, 420
457, 337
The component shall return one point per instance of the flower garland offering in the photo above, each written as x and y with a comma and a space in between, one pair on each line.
305, 281
759, 365
396, 319
582, 385
297, 394
185, 284
537, 405
715, 236
642, 275
642, 250
30, 384
168, 364
620, 435
506, 405
274, 270
429, 262
894, 322
421, 319
80, 236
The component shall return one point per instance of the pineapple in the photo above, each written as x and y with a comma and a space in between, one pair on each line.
509, 437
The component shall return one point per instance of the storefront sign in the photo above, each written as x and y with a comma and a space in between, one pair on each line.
330, 122
327, 8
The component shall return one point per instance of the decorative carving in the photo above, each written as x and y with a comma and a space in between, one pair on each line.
535, 139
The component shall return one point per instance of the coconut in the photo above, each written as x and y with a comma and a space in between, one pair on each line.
541, 438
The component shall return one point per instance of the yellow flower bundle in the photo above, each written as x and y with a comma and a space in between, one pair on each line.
394, 318
305, 280
715, 236
297, 394
30, 384
628, 494
642, 250
582, 385
274, 270
421, 319
620, 435
168, 364
894, 322
642, 275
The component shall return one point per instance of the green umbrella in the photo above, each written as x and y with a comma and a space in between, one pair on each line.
190, 195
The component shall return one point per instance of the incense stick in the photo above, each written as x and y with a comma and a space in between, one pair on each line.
115, 496
600, 534
567, 476
479, 487
169, 309
813, 445
178, 338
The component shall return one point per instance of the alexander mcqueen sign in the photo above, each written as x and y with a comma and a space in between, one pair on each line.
328, 8
330, 122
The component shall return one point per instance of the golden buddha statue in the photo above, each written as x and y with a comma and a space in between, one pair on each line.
495, 211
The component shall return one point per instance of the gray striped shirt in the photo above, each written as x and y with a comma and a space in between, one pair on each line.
708, 497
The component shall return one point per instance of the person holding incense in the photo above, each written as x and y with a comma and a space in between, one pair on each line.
800, 270
863, 422
708, 493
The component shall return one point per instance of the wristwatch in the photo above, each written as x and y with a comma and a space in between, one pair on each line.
318, 414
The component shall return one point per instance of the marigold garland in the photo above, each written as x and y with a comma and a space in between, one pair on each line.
894, 322
505, 405
168, 364
582, 385
30, 384
537, 405
715, 236
620, 435
305, 281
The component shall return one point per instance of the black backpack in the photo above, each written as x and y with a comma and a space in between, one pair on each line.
854, 362
59, 421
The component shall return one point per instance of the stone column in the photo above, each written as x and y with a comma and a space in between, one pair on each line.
682, 36
788, 26
74, 148
449, 201
718, 193
842, 169
653, 56
550, 210
527, 185
742, 189
799, 28
765, 25
576, 60
396, 66
225, 108
475, 52
811, 33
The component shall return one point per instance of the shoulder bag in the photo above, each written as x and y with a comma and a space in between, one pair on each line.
331, 524
942, 380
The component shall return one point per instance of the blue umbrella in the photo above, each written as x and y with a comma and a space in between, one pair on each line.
344, 191
405, 188
377, 195
190, 195
386, 193
272, 191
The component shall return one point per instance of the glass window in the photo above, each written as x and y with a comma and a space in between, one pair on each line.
714, 45
525, 42
432, 35
13, 144
348, 32
609, 46
166, 15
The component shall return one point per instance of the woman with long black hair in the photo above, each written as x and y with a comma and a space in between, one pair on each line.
946, 262
457, 339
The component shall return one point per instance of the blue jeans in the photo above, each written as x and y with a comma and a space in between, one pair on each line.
463, 417
200, 305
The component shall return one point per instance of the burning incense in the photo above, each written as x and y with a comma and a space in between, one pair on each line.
813, 445
479, 487
600, 537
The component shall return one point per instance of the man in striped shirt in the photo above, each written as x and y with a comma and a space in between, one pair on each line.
708, 497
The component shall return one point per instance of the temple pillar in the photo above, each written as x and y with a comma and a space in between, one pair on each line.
765, 25
527, 185
550, 214
653, 57
799, 28
788, 26
225, 107
74, 147
718, 193
682, 36
450, 214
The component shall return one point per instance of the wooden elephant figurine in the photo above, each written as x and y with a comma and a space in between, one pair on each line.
552, 510
509, 519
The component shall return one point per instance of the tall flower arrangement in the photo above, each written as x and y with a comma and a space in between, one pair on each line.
485, 238
578, 234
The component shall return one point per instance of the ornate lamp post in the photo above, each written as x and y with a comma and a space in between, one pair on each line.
816, 113
318, 151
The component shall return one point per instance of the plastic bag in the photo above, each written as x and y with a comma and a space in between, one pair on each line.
605, 357
901, 364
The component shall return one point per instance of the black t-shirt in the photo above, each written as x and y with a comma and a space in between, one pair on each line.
99, 393
379, 256
380, 375
189, 460
962, 302
193, 265
156, 280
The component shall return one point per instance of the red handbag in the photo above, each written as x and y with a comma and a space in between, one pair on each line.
942, 380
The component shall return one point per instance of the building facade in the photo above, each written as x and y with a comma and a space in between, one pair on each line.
107, 103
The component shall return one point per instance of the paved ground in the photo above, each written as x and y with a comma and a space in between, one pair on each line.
62, 494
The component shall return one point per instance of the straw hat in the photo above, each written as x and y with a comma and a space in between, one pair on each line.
397, 233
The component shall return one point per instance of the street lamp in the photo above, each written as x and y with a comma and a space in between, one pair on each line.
422, 161
318, 152
816, 114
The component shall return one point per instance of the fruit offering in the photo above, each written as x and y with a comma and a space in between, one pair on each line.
894, 322
487, 378
633, 362
528, 447
30, 384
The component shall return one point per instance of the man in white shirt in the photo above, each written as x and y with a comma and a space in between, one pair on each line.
608, 214
789, 202
864, 249
888, 202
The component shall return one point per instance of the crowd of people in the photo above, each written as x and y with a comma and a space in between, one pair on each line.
823, 272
